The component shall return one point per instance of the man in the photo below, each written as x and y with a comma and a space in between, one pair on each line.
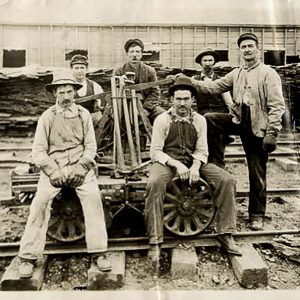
179, 147
207, 58
64, 148
79, 65
256, 114
142, 73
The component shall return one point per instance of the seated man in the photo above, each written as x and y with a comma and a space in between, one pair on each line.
142, 74
179, 147
64, 148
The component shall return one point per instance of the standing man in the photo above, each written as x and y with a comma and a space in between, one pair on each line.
143, 73
64, 148
79, 65
207, 58
255, 115
179, 147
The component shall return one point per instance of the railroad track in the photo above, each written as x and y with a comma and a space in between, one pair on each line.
285, 148
141, 243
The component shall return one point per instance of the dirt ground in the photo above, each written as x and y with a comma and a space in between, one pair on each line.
69, 272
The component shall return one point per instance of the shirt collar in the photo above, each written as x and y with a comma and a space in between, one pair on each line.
205, 76
252, 67
177, 118
73, 109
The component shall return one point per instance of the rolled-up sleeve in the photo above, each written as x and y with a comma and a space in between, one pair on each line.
159, 134
41, 147
90, 146
201, 150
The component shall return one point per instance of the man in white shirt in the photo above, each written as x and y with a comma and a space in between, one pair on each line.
79, 67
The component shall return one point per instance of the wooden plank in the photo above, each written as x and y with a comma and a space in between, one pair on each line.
113, 279
136, 126
11, 280
250, 270
287, 164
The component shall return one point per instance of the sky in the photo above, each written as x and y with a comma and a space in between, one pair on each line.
280, 12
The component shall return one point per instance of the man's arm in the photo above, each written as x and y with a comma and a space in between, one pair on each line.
90, 146
274, 101
97, 90
219, 86
41, 146
152, 94
159, 130
227, 99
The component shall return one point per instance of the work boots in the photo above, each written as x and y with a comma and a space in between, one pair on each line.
102, 263
227, 241
26, 268
256, 223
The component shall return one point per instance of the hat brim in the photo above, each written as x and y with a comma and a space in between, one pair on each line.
49, 87
213, 53
175, 87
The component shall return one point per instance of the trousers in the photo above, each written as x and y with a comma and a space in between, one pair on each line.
219, 124
221, 181
34, 238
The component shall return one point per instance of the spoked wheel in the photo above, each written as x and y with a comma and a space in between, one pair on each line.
67, 221
188, 210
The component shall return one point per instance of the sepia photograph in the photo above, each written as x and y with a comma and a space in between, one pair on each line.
149, 149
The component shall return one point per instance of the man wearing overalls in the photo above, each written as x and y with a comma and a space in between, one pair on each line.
64, 148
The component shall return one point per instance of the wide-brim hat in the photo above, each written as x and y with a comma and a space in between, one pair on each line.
207, 51
247, 36
131, 42
183, 82
62, 78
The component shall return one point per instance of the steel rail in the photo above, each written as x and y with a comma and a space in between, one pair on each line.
141, 243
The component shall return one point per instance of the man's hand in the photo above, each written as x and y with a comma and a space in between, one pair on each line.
58, 178
174, 77
194, 173
77, 176
269, 142
182, 171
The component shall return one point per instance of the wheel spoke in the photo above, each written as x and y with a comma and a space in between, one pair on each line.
171, 198
170, 215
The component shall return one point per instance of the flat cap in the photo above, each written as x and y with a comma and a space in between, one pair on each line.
133, 42
247, 36
79, 59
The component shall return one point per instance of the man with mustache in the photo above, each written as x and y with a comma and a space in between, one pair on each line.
256, 114
179, 148
64, 148
142, 73
207, 58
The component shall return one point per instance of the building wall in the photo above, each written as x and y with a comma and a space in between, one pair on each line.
178, 45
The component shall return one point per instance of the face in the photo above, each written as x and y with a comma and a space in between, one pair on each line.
249, 50
134, 53
79, 71
65, 95
182, 102
207, 62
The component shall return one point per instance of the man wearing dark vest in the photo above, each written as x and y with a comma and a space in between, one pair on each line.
64, 148
207, 58
179, 147
79, 65
142, 74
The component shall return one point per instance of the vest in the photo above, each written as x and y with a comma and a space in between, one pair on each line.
90, 105
210, 103
181, 141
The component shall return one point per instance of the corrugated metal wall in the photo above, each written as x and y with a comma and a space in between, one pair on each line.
178, 45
